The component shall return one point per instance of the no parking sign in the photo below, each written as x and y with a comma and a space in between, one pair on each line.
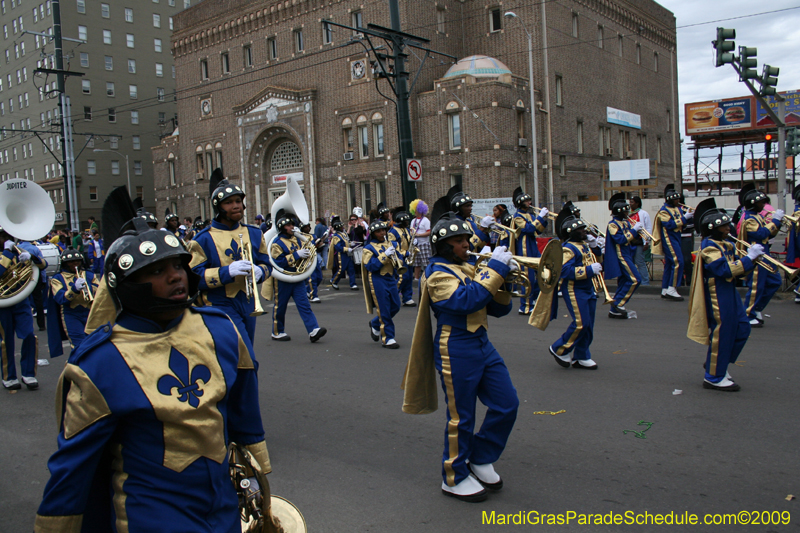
414, 169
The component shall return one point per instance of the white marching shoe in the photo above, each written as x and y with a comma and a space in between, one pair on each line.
469, 490
487, 476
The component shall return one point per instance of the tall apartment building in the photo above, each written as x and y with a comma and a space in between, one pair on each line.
271, 90
123, 102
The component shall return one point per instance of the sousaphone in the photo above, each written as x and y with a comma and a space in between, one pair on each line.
292, 201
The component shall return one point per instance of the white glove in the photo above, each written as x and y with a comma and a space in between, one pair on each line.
596, 268
688, 215
9, 244
80, 283
415, 242
601, 242
778, 215
259, 273
487, 221
513, 266
239, 268
486, 250
390, 251
501, 254
303, 253
543, 213
755, 251
591, 240
638, 227
24, 256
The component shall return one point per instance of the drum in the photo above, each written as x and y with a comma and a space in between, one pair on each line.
52, 256
357, 253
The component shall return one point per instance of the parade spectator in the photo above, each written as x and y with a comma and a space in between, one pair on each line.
421, 230
640, 246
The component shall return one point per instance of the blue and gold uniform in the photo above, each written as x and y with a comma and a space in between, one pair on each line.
97, 256
285, 254
761, 284
793, 246
530, 226
213, 250
339, 258
74, 306
618, 261
479, 237
146, 415
401, 238
581, 300
669, 224
380, 285
17, 321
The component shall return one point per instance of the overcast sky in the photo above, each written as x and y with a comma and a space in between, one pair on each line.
774, 34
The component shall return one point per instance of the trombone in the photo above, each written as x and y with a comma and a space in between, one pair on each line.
769, 263
550, 214
87, 292
645, 234
251, 286
504, 231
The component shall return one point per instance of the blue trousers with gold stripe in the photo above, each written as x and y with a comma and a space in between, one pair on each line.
729, 328
628, 282
673, 260
345, 265
297, 292
18, 320
405, 285
762, 286
581, 303
526, 304
387, 301
470, 369
315, 279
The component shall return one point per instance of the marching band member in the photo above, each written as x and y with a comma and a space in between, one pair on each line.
531, 226
761, 284
793, 246
400, 236
340, 258
151, 404
385, 215
618, 259
149, 217
217, 256
70, 288
172, 224
379, 275
17, 320
597, 243
287, 251
316, 276
577, 271
461, 205
470, 368
670, 220
507, 238
716, 314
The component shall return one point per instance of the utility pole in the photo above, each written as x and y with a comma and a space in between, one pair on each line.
393, 67
62, 101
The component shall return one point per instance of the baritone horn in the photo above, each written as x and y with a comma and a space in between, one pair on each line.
547, 267
767, 262
250, 283
26, 213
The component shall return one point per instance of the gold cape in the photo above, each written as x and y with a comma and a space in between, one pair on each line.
698, 319
419, 380
657, 247
103, 309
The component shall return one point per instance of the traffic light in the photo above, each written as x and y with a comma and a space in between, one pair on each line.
724, 46
792, 142
767, 146
748, 62
769, 80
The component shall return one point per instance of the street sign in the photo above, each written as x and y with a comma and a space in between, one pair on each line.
414, 170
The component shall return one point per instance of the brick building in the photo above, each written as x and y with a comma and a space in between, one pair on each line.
266, 90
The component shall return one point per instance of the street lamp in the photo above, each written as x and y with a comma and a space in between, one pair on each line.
534, 150
127, 167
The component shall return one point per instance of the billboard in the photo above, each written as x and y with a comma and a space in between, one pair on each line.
792, 110
731, 114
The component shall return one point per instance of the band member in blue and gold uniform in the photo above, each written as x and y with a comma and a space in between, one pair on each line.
761, 284
73, 290
507, 236
379, 274
578, 268
400, 236
217, 256
530, 226
17, 320
340, 253
618, 258
461, 205
793, 246
149, 406
469, 366
287, 252
172, 224
716, 314
670, 220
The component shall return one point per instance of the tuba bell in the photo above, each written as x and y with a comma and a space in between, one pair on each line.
292, 201
26, 213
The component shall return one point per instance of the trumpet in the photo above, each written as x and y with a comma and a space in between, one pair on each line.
251, 286
767, 262
87, 292
504, 231
598, 281
550, 214
688, 208
788, 220
398, 263
516, 277
593, 229
646, 234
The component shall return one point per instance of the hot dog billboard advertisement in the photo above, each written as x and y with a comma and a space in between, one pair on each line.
732, 114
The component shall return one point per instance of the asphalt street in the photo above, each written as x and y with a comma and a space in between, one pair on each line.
351, 460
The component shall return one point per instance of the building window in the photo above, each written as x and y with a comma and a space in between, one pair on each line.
106, 36
134, 117
113, 142
638, 54
351, 197
110, 88
156, 20
366, 196
159, 70
247, 55
157, 45
575, 25
363, 142
128, 15
171, 168
454, 130
160, 93
559, 93
84, 60
655, 61
642, 146
669, 120
204, 69
93, 193
521, 123
377, 134
81, 6
86, 86
91, 168
380, 191
299, 45
357, 21
327, 33
129, 40
137, 143
82, 33
225, 62
562, 166
137, 168
133, 91
621, 41
132, 66
605, 141
440, 20
115, 168
139, 191
600, 36
287, 156
105, 11
658, 149
170, 24
218, 156
87, 113
109, 62
272, 47
495, 19
580, 137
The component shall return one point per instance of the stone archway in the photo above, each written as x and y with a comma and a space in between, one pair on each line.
275, 153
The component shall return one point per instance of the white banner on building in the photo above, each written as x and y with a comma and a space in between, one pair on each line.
483, 206
623, 118
296, 176
634, 169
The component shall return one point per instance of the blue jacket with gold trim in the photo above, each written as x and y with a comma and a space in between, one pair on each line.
65, 293
618, 247
756, 230
376, 261
146, 417
284, 252
479, 238
531, 227
573, 267
793, 247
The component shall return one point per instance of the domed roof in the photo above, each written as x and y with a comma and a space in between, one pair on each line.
479, 67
